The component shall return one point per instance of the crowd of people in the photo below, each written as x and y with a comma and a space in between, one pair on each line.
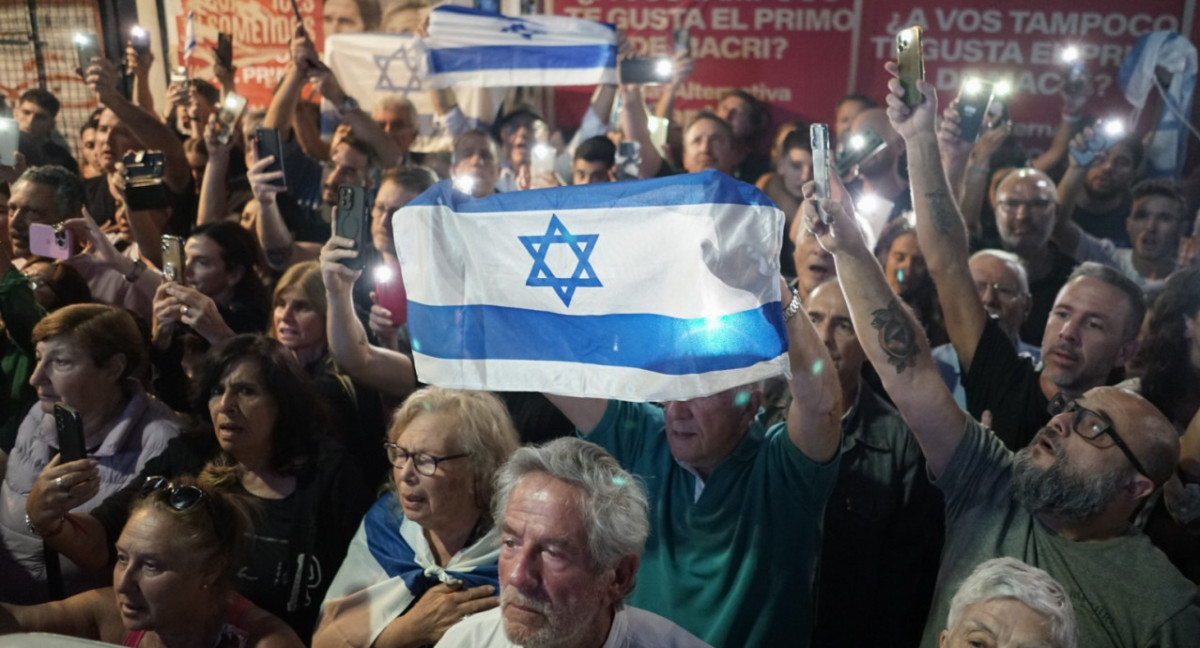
990, 437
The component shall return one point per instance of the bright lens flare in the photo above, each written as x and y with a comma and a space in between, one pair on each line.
1002, 88
383, 274
1114, 128
81, 39
868, 203
972, 86
465, 184
664, 68
137, 32
1070, 54
857, 142
542, 151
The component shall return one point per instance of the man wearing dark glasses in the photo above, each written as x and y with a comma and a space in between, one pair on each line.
1063, 503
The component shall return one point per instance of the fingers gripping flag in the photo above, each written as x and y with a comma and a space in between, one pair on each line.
653, 290
477, 48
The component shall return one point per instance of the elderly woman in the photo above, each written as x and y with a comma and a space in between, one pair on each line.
172, 582
262, 429
1005, 603
88, 355
425, 554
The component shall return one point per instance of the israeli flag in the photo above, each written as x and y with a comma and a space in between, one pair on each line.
468, 47
189, 37
651, 290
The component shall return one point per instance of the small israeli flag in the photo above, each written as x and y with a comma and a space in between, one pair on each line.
653, 290
189, 37
468, 47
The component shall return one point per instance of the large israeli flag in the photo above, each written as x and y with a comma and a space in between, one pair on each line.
653, 290
468, 47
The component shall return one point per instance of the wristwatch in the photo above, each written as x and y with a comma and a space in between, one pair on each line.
349, 104
793, 306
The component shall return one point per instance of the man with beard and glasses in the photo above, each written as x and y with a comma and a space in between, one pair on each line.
1064, 503
572, 527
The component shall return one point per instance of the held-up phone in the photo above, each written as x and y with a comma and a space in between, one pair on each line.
179, 74
88, 48
650, 70
856, 148
1105, 133
683, 41
267, 143
231, 110
628, 160
352, 221
224, 50
69, 425
140, 39
10, 137
49, 241
541, 159
973, 100
1075, 74
144, 188
390, 292
172, 258
818, 135
911, 62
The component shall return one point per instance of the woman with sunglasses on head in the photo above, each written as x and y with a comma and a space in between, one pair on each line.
261, 433
172, 581
425, 554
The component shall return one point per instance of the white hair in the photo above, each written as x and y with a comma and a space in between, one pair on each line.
1010, 578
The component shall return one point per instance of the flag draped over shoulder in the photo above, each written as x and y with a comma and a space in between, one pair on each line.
652, 290
468, 47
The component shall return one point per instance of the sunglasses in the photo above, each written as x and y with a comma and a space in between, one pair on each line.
179, 497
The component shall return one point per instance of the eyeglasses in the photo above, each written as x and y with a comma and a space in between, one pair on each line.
1037, 204
1093, 426
179, 497
425, 463
1004, 292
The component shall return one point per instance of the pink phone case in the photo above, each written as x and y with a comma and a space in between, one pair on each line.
46, 241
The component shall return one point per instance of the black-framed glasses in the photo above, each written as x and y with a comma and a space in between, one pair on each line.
425, 463
1093, 426
180, 497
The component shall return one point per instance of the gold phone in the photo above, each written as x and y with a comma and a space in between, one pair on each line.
911, 62
172, 258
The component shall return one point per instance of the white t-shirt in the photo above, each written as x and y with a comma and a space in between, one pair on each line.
631, 628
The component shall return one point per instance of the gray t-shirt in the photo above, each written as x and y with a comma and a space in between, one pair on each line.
1124, 590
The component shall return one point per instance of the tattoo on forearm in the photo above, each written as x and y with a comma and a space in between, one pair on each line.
896, 335
941, 211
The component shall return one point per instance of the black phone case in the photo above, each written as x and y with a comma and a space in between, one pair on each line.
971, 111
69, 426
269, 144
224, 49
352, 223
642, 70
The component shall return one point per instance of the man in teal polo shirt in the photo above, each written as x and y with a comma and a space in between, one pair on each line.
735, 509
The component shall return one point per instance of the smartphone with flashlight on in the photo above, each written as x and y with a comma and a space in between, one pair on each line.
10, 138
974, 97
818, 135
390, 292
140, 39
856, 148
1075, 72
87, 48
231, 110
649, 70
353, 219
911, 62
541, 160
1105, 133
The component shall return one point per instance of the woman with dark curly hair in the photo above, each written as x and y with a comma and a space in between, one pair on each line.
1169, 361
260, 431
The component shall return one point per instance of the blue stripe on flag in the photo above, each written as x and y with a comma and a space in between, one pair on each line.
521, 57
706, 187
484, 332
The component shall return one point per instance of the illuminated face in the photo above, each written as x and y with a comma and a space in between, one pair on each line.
813, 264
342, 16
830, 315
1155, 225
243, 412
30, 202
391, 196
585, 172
999, 623
65, 372
518, 137
347, 166
1085, 335
115, 140
204, 269
33, 120
1111, 174
445, 500
298, 324
845, 116
905, 267
999, 289
475, 164
1025, 206
88, 145
157, 578
706, 145
796, 168
703, 431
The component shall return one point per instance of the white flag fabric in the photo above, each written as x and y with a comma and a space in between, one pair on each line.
468, 47
189, 37
650, 290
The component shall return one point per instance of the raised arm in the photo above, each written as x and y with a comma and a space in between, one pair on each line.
940, 228
387, 152
890, 335
814, 418
283, 103
212, 208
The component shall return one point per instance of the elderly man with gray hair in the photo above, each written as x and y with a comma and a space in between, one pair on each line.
572, 528
1006, 603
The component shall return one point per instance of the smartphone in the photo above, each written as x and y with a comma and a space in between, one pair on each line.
858, 147
390, 292
179, 74
49, 241
231, 110
650, 70
628, 159
911, 61
224, 50
88, 48
10, 137
172, 258
1105, 133
267, 143
140, 39
69, 425
818, 135
974, 98
353, 220
541, 159
1075, 73
683, 41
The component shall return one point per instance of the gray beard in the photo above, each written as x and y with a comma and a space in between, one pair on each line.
1055, 490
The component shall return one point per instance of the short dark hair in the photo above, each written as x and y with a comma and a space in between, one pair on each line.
597, 149
709, 115
239, 248
412, 177
206, 90
797, 139
759, 117
1116, 279
1168, 189
371, 13
520, 112
866, 101
67, 186
91, 123
475, 132
44, 100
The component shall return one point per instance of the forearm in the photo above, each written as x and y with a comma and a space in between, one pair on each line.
1189, 450
273, 234
602, 101
954, 165
308, 135
154, 136
635, 126
973, 194
83, 540
1058, 146
147, 232
283, 103
383, 370
142, 94
387, 152
666, 102
940, 228
814, 420
1069, 189
212, 190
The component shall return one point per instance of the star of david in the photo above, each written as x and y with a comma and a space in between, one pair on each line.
385, 79
541, 274
522, 30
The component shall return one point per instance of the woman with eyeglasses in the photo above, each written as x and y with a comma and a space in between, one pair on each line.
89, 357
425, 554
262, 434
172, 583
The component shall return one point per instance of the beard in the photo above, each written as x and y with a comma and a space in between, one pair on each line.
558, 629
1058, 490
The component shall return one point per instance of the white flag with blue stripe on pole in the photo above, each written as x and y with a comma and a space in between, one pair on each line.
468, 47
651, 290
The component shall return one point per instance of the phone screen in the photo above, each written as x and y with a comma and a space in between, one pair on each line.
10, 136
69, 426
